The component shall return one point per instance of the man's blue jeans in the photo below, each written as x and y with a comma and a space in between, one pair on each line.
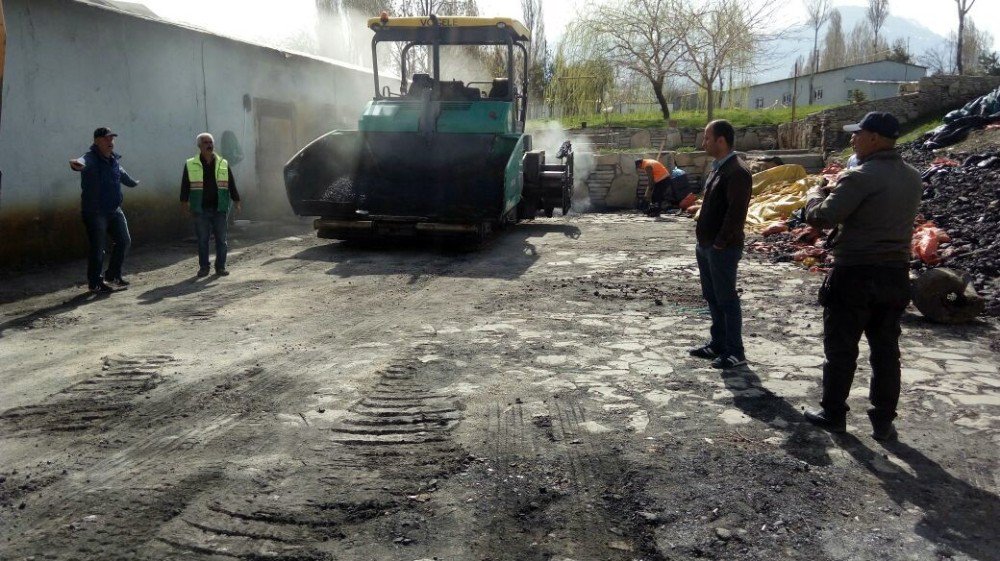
212, 223
717, 268
99, 225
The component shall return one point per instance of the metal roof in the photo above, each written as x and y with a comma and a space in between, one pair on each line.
455, 29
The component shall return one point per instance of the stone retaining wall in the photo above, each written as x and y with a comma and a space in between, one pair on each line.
614, 183
825, 129
622, 138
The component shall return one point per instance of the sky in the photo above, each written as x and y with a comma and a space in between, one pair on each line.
258, 17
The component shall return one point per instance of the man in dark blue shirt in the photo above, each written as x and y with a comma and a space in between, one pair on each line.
101, 179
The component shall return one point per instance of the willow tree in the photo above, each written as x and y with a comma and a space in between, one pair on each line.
581, 79
639, 36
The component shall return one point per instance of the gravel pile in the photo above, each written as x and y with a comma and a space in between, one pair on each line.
964, 200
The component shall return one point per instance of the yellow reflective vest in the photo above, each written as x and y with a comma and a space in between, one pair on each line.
196, 175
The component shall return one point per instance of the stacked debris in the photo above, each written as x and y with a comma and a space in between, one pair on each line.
962, 197
777, 213
984, 111
959, 224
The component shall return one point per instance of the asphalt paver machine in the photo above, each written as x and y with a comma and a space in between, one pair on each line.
439, 157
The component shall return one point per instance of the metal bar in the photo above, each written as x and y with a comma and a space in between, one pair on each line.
375, 67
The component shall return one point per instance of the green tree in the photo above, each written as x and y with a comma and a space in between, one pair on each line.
990, 63
640, 36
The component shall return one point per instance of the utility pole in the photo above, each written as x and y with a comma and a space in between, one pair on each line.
795, 88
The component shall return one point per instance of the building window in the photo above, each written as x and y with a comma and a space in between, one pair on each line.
818, 94
786, 98
759, 103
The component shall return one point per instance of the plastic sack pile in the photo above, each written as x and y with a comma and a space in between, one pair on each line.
776, 212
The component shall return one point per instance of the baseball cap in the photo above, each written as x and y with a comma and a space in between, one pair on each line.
878, 122
101, 132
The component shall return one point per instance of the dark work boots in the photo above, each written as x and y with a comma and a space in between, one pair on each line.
882, 429
824, 420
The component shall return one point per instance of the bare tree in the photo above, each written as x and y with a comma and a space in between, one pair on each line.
975, 43
641, 36
818, 12
878, 11
963, 8
719, 33
834, 45
939, 60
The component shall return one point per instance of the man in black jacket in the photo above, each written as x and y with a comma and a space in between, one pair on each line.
720, 245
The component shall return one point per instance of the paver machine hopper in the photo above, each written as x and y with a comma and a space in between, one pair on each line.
441, 156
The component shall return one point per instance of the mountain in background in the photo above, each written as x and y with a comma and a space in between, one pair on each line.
799, 41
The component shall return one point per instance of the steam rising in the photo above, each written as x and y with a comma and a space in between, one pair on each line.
293, 25
548, 136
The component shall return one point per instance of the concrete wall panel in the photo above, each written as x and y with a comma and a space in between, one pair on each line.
72, 67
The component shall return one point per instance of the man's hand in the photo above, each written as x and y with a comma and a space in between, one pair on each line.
76, 164
819, 192
239, 207
186, 207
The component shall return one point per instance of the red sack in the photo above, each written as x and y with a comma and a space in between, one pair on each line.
925, 246
809, 252
688, 201
806, 234
773, 229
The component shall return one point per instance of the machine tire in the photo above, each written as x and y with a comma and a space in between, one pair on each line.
946, 296
549, 211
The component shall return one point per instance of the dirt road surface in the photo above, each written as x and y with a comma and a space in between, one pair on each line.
532, 400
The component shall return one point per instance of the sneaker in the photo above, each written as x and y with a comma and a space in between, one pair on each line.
728, 362
882, 430
706, 352
222, 272
101, 288
824, 420
119, 282
203, 272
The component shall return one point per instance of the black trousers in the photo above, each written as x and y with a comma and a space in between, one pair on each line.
863, 300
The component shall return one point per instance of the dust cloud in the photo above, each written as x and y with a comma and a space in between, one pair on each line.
549, 136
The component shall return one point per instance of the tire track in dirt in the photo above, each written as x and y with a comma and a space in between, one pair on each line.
383, 457
92, 402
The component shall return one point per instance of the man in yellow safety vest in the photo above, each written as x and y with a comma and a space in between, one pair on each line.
208, 190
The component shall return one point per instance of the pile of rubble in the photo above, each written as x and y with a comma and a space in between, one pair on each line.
962, 196
958, 226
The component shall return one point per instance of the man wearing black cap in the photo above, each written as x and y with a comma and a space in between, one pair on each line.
101, 179
873, 207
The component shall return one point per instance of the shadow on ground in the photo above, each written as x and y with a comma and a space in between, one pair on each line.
957, 515
752, 398
185, 287
420, 257
26, 321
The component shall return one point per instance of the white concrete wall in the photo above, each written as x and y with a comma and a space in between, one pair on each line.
72, 67
836, 84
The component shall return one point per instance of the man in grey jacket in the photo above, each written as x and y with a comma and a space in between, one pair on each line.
873, 207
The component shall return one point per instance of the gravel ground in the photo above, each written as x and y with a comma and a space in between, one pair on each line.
532, 400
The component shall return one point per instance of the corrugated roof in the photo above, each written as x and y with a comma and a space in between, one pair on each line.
820, 73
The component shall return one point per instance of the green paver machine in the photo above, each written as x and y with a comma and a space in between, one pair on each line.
441, 156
